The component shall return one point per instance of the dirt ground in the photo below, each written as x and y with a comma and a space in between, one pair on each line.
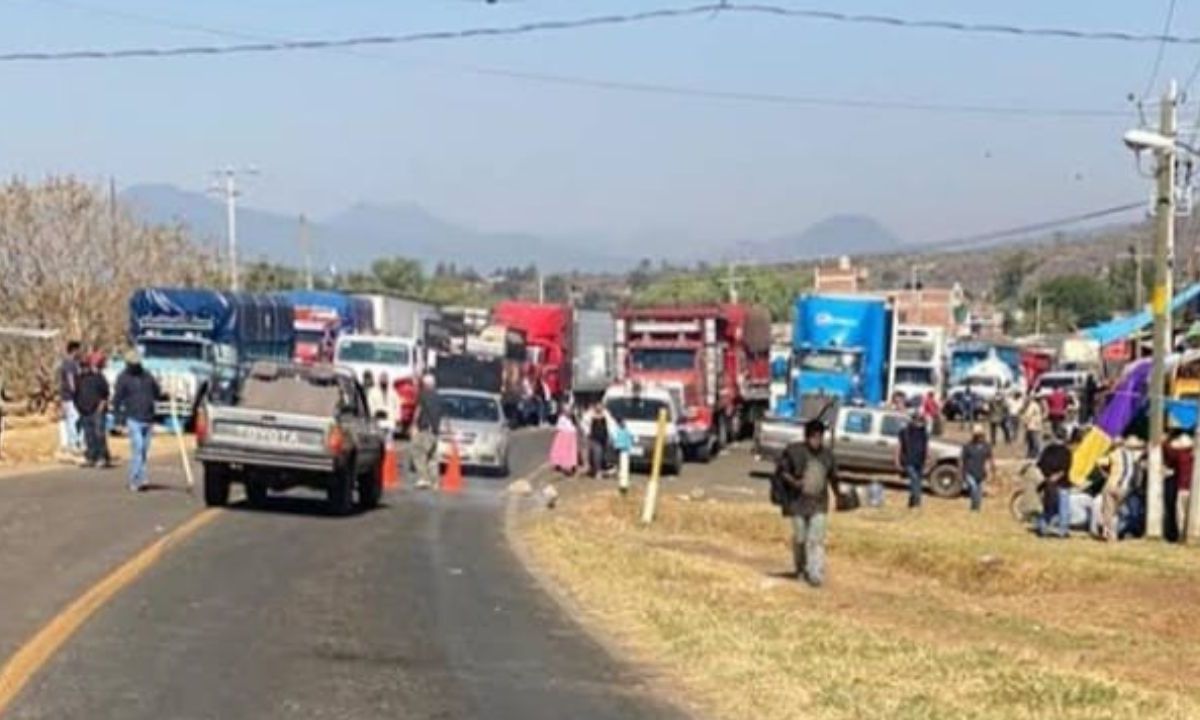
933, 614
30, 442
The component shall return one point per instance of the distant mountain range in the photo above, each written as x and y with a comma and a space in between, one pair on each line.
353, 238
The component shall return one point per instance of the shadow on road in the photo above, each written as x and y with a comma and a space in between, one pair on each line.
313, 507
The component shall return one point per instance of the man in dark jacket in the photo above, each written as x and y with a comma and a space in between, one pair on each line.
134, 400
912, 453
91, 400
807, 473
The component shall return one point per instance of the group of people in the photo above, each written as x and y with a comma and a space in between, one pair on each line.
591, 439
1110, 503
86, 402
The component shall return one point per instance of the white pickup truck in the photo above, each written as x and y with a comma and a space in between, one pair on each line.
865, 440
638, 405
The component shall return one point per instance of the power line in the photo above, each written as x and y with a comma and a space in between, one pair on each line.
766, 98
1054, 224
595, 21
1158, 55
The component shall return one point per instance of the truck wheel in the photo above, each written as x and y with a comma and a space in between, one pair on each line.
722, 434
945, 481
370, 488
256, 493
339, 497
216, 485
674, 465
703, 453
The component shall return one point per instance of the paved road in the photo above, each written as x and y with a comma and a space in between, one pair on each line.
417, 610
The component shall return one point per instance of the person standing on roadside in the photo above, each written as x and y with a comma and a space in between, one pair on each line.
932, 413
1057, 405
428, 424
598, 440
998, 417
623, 441
1032, 421
806, 474
978, 464
91, 400
133, 400
1179, 457
70, 441
911, 456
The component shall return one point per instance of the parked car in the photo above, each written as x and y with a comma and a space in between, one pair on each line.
1073, 381
475, 421
639, 404
292, 425
865, 440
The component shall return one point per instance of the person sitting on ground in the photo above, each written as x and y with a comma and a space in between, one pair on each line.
1055, 465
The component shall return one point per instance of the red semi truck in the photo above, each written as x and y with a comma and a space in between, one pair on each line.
719, 355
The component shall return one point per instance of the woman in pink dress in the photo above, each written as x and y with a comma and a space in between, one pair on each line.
564, 452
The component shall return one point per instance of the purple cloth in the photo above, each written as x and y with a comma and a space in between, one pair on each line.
1127, 399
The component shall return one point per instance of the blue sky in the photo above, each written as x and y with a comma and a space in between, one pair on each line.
408, 124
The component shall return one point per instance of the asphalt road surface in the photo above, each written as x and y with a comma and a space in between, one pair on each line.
415, 610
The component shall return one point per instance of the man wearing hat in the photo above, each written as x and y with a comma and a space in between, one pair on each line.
808, 473
134, 400
977, 465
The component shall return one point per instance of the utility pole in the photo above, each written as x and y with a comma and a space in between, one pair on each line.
229, 192
1160, 305
1139, 293
306, 250
1037, 316
541, 287
731, 281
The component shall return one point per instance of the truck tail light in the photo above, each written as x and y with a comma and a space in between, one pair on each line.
335, 440
200, 426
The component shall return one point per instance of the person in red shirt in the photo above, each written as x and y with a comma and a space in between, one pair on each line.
1179, 457
1057, 404
932, 413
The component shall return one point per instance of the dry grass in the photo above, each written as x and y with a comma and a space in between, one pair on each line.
32, 441
938, 615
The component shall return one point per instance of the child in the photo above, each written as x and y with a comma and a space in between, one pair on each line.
623, 444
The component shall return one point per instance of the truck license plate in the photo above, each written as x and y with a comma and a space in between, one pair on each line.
267, 435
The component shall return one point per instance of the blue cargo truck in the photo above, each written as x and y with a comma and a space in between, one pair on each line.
194, 341
843, 353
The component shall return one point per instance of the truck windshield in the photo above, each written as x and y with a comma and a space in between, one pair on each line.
470, 408
914, 375
663, 359
837, 361
172, 349
368, 351
310, 337
636, 409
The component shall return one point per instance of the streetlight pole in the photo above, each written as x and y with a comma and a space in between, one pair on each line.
229, 192
1160, 305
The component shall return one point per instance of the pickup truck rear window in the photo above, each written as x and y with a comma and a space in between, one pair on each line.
636, 409
858, 423
892, 425
290, 394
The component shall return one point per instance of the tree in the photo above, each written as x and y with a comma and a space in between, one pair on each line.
1070, 302
1011, 275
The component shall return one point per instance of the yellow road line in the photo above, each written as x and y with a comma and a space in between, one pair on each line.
37, 651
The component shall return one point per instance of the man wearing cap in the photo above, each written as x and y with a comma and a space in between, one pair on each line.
133, 400
808, 473
977, 464
91, 400
911, 455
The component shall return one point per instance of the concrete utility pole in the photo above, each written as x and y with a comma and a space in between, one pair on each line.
306, 250
1160, 305
229, 192
1139, 292
731, 281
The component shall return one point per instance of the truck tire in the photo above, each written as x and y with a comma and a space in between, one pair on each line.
673, 465
945, 481
216, 485
256, 493
339, 496
704, 452
370, 488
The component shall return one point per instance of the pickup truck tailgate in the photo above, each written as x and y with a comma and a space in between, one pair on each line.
256, 437
773, 434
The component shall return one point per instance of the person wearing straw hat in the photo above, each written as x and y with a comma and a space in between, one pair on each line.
1179, 457
1121, 465
978, 464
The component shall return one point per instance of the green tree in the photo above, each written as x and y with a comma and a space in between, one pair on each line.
1070, 302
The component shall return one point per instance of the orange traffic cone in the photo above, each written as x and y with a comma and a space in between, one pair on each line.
390, 467
452, 481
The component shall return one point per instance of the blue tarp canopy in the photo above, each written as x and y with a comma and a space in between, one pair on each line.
1129, 326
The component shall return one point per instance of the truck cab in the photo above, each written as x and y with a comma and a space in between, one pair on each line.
397, 357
